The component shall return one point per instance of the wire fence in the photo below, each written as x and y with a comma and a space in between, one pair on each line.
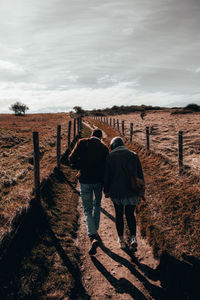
72, 134
180, 147
77, 126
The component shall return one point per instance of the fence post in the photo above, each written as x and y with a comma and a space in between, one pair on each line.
131, 133
117, 124
122, 127
74, 128
69, 133
77, 125
147, 136
180, 150
58, 145
36, 160
80, 124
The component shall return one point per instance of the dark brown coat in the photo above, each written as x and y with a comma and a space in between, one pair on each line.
89, 157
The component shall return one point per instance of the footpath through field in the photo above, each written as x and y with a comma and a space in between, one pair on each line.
114, 273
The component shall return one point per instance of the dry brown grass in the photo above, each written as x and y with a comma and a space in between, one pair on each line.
164, 128
170, 216
16, 155
48, 266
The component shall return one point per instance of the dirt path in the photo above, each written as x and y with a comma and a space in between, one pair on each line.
114, 273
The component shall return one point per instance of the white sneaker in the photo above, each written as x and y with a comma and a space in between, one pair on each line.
122, 243
133, 243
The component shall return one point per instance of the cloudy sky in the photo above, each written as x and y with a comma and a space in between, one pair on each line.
56, 54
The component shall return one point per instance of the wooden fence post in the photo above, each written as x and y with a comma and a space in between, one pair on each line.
117, 124
122, 127
58, 145
180, 150
74, 128
69, 133
147, 137
80, 124
131, 133
36, 161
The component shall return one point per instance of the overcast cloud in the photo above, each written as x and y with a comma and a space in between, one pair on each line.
56, 54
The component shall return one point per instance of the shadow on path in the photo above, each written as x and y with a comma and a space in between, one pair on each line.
121, 285
107, 214
153, 290
152, 274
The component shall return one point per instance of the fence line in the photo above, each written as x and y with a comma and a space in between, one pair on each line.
115, 123
77, 131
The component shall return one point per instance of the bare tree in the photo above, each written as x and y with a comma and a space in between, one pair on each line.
19, 108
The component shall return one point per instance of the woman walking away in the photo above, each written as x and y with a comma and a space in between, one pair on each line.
121, 163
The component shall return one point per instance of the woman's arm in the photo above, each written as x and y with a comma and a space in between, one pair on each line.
139, 169
107, 177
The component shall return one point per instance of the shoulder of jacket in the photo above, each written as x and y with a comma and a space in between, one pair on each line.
83, 140
134, 153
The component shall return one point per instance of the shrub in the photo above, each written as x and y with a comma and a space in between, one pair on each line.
19, 108
193, 107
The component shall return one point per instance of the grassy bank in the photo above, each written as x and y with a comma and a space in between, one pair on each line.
170, 216
42, 261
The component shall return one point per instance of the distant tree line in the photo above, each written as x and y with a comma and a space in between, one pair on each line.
190, 108
117, 110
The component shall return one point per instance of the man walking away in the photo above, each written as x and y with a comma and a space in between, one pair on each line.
89, 157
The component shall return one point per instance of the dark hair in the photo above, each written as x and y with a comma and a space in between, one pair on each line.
116, 142
97, 133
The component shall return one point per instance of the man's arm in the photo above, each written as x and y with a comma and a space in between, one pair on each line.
74, 156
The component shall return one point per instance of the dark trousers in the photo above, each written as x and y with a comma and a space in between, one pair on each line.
130, 218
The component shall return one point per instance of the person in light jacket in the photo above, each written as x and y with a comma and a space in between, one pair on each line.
117, 187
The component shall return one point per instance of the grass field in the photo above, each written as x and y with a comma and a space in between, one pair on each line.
16, 155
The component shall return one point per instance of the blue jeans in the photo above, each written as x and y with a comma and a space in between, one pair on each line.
91, 194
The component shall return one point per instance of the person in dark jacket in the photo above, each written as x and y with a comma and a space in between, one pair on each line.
119, 164
89, 157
